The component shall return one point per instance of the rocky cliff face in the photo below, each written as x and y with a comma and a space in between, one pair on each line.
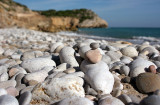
15, 14
93, 23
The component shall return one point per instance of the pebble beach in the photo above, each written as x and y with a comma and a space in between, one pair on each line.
40, 68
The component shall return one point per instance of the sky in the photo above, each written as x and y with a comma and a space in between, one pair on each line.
118, 13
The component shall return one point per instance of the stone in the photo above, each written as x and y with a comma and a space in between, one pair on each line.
16, 56
2, 92
3, 69
138, 66
53, 46
31, 54
62, 67
4, 76
116, 92
106, 59
12, 91
135, 99
126, 60
28, 88
124, 70
56, 89
129, 51
36, 64
70, 70
126, 80
67, 56
157, 63
125, 99
150, 49
94, 56
109, 100
157, 92
151, 100
3, 61
6, 84
98, 76
59, 48
38, 76
76, 101
94, 46
148, 82
115, 56
13, 71
8, 100
83, 50
90, 97
152, 69
8, 52
18, 78
1, 50
25, 98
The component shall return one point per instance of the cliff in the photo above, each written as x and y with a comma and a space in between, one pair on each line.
14, 14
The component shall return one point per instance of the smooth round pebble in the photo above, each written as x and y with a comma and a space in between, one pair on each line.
151, 100
25, 98
8, 100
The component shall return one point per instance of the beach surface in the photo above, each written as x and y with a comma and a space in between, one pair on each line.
40, 68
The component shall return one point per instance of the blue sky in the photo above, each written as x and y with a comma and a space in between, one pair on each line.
118, 13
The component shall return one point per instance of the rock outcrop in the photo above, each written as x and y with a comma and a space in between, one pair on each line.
13, 14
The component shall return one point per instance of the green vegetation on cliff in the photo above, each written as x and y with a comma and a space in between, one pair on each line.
81, 14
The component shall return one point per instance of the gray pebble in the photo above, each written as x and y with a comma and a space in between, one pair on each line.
94, 46
25, 98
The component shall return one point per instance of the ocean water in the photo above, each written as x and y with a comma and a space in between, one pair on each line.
120, 32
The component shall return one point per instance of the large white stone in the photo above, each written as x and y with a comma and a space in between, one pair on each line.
98, 76
138, 66
67, 56
36, 64
57, 89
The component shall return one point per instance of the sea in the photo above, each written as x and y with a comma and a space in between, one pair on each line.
116, 33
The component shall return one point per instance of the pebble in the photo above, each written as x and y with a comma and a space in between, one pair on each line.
76, 101
106, 59
129, 51
126, 80
151, 100
124, 70
8, 100
157, 92
25, 98
36, 64
109, 100
1, 50
2, 91
94, 56
4, 76
152, 69
67, 56
6, 84
58, 89
125, 99
94, 46
98, 76
12, 91
83, 50
138, 66
148, 82
70, 70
